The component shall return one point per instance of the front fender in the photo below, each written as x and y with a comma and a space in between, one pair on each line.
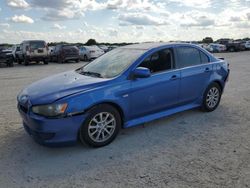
115, 93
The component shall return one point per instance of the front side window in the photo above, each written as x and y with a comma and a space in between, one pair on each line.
112, 63
159, 61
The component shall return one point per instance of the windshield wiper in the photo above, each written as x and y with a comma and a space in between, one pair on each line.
89, 73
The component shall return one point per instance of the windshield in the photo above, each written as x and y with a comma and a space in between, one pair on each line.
112, 63
37, 44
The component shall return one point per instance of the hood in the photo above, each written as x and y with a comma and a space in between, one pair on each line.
50, 89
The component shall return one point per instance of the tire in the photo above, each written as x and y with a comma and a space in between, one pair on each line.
60, 60
101, 130
231, 49
19, 61
77, 60
85, 58
211, 97
26, 62
11, 63
45, 62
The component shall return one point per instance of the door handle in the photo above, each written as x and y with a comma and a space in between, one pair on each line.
174, 77
207, 70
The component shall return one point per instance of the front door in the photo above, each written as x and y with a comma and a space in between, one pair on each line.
158, 92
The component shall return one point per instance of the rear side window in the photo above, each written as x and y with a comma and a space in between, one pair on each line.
204, 58
188, 56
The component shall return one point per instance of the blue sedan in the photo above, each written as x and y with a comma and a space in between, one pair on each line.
125, 87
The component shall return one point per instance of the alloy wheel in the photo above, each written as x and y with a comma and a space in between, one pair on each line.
101, 127
212, 98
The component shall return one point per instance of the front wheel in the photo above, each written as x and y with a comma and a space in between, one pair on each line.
211, 98
101, 126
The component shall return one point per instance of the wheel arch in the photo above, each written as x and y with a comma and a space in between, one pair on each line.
113, 104
219, 83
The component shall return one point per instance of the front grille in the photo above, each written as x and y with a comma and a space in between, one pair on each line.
23, 109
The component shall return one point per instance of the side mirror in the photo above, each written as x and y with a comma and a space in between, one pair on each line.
141, 72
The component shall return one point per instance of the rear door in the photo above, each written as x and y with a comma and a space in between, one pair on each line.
195, 73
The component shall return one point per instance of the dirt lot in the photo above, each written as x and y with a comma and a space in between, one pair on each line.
190, 149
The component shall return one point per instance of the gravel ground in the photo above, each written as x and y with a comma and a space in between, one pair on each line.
189, 149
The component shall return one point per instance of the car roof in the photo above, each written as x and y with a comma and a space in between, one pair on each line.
33, 41
152, 45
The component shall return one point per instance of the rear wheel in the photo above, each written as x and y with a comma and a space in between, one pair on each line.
101, 126
77, 60
211, 98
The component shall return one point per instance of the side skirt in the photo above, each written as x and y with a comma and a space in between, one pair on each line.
158, 115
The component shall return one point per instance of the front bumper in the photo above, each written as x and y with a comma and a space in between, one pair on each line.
51, 132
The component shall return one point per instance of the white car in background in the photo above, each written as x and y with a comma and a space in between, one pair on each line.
84, 53
94, 51
104, 48
247, 45
214, 47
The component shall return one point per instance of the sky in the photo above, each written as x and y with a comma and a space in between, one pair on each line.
123, 20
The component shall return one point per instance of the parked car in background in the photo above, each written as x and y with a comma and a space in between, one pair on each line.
205, 46
215, 48
33, 50
123, 88
231, 45
112, 47
6, 57
51, 49
247, 45
94, 51
104, 48
84, 53
64, 53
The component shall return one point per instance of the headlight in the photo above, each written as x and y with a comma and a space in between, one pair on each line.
50, 110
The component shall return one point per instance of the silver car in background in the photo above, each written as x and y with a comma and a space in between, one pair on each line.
84, 53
